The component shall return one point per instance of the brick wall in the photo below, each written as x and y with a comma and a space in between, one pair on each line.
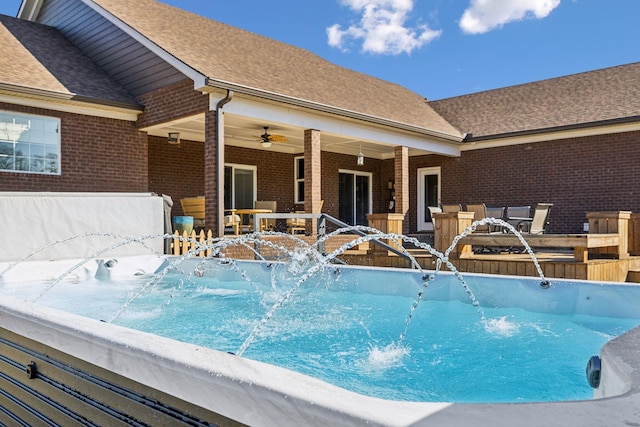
331, 163
577, 175
176, 170
97, 154
274, 174
179, 172
170, 103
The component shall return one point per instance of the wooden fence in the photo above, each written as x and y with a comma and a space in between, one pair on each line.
184, 243
181, 244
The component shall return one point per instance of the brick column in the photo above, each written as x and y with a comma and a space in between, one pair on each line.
211, 178
401, 175
312, 175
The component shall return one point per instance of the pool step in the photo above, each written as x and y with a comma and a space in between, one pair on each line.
633, 276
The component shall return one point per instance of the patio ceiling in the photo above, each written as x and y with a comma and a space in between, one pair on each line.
245, 132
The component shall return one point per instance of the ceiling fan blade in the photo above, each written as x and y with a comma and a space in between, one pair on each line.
278, 138
265, 137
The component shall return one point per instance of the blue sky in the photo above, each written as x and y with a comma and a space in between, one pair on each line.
442, 48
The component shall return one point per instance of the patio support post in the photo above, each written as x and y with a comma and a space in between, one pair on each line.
211, 175
312, 176
401, 175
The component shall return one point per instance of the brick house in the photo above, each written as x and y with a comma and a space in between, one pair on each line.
91, 89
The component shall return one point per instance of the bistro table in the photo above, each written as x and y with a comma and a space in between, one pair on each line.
248, 213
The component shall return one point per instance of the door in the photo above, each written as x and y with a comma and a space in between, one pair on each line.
428, 195
240, 186
354, 197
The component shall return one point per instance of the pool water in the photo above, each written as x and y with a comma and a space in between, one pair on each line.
522, 344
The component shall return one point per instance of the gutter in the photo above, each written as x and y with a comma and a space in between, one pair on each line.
29, 9
329, 109
469, 138
67, 96
220, 158
35, 91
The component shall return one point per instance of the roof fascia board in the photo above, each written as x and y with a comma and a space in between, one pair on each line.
29, 9
51, 94
329, 123
620, 127
198, 78
218, 84
72, 106
35, 91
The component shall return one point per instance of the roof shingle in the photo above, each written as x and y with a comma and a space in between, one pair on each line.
229, 54
578, 99
39, 57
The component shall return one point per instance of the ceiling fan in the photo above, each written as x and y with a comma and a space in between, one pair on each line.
267, 139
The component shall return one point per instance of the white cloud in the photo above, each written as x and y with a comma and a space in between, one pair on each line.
485, 15
382, 28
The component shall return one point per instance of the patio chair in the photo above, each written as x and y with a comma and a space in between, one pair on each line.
516, 214
269, 224
296, 224
480, 212
432, 210
537, 224
451, 208
194, 206
497, 213
232, 221
299, 224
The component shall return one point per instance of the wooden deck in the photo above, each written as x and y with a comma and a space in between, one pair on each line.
554, 263
579, 243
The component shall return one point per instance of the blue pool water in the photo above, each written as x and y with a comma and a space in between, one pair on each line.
523, 343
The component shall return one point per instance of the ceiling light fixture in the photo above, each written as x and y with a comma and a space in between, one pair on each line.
360, 160
173, 138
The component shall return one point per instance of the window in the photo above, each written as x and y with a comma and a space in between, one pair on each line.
299, 179
29, 143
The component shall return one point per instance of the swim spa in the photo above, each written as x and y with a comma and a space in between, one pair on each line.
258, 393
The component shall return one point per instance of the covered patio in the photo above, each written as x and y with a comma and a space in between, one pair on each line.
336, 162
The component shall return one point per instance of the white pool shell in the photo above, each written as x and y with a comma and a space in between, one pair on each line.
260, 394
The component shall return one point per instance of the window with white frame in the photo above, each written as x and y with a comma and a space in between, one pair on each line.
299, 179
29, 143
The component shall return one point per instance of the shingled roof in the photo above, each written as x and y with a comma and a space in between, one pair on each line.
38, 57
228, 54
585, 99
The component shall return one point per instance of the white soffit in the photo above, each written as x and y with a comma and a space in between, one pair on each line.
198, 78
327, 124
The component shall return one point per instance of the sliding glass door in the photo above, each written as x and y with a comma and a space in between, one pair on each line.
354, 197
